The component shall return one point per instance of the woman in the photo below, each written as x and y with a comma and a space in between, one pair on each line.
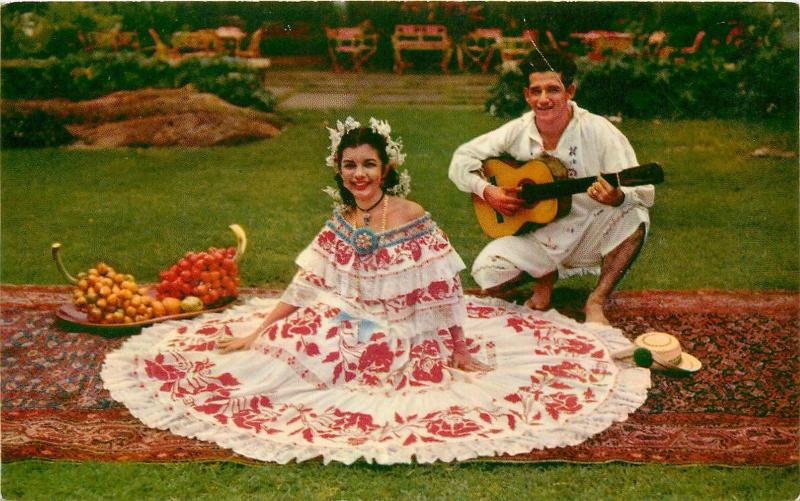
373, 352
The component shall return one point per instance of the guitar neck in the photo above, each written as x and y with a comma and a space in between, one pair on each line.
531, 193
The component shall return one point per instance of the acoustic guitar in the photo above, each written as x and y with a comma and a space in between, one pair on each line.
545, 190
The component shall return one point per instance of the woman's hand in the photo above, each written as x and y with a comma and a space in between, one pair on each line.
463, 360
236, 343
281, 310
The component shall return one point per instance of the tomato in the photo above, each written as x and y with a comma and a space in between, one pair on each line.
184, 264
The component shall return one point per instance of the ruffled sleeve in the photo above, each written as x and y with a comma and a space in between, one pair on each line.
410, 280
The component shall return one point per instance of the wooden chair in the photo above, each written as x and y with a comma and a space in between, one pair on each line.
479, 46
253, 49
161, 50
200, 43
666, 51
696, 45
351, 42
420, 37
557, 45
516, 48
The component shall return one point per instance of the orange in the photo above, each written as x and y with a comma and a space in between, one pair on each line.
158, 308
172, 305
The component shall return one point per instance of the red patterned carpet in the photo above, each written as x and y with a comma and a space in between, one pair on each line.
740, 409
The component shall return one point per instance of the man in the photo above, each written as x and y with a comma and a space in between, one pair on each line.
606, 226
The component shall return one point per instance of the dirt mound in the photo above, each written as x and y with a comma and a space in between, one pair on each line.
155, 117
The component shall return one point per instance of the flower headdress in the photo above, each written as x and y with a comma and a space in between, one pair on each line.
394, 150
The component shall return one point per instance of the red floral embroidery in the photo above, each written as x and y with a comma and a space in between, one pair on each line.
561, 402
343, 252
412, 248
576, 346
566, 370
352, 420
377, 357
438, 289
452, 423
168, 373
427, 365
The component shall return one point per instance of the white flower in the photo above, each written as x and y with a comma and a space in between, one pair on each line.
382, 127
403, 186
394, 150
334, 193
336, 135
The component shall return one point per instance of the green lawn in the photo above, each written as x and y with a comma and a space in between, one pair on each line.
722, 220
476, 480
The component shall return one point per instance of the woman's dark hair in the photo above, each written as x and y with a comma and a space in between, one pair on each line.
549, 60
355, 138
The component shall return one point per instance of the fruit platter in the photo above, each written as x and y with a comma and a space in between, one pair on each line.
104, 299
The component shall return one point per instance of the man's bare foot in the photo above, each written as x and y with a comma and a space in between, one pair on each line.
542, 289
594, 312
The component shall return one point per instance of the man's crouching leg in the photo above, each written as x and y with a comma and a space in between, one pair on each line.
542, 289
613, 268
509, 262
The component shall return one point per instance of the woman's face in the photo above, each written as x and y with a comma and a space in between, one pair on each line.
362, 172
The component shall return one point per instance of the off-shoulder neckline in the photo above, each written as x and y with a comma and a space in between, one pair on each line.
403, 227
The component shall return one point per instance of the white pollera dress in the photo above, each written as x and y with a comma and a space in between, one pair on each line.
360, 369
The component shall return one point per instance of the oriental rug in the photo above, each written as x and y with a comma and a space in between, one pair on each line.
740, 409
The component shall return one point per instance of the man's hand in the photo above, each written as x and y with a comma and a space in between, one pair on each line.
502, 199
602, 192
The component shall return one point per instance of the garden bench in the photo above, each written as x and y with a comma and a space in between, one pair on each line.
352, 42
420, 37
479, 46
109, 40
602, 40
516, 48
253, 49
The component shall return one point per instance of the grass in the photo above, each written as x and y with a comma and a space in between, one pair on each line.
312, 481
721, 220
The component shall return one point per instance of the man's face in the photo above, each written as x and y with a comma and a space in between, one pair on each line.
547, 97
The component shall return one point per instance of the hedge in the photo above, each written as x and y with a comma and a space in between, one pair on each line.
699, 86
85, 76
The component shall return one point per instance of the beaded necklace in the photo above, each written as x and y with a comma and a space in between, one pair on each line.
365, 240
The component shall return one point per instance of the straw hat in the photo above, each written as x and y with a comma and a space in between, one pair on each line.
666, 351
661, 351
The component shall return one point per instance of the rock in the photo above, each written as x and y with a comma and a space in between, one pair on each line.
156, 117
